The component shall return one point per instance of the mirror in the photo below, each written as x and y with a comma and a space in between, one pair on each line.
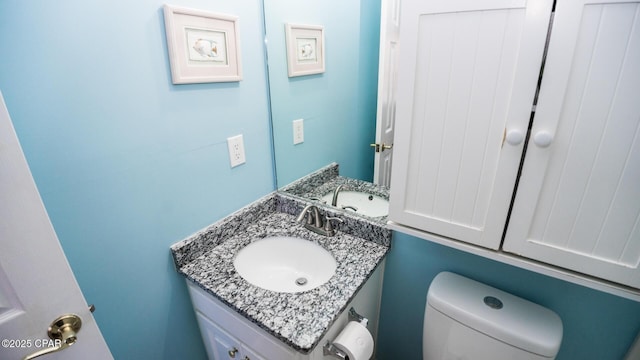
338, 107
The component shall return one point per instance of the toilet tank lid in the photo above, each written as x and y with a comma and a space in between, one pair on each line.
508, 318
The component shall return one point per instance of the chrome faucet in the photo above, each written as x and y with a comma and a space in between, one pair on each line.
315, 222
315, 219
334, 201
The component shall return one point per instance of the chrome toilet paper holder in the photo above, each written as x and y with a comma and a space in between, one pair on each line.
354, 316
331, 350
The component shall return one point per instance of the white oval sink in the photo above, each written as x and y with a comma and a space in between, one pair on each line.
285, 264
360, 202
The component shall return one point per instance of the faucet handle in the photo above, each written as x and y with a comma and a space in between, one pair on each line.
328, 227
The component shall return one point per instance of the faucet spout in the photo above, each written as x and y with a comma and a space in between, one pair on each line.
334, 201
316, 218
302, 214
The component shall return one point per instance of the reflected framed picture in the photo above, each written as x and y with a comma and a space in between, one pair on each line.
203, 46
305, 49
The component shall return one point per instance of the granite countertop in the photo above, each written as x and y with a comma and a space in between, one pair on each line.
298, 319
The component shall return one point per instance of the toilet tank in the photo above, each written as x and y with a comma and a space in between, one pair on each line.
465, 319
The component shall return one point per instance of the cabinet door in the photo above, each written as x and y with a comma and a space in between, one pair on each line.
467, 75
578, 201
248, 354
219, 345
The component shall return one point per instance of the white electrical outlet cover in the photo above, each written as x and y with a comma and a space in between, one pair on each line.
298, 131
236, 150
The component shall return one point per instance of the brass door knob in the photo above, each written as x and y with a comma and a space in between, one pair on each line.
381, 147
64, 330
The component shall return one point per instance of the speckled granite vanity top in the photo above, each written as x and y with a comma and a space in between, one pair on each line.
298, 319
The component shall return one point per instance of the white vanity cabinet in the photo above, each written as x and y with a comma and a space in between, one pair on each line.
465, 97
228, 335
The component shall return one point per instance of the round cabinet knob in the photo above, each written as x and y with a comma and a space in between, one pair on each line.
233, 352
514, 137
542, 139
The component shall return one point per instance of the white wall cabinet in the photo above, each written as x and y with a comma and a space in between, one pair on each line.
467, 71
585, 184
460, 128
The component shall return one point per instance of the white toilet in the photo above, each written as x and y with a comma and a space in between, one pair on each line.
465, 319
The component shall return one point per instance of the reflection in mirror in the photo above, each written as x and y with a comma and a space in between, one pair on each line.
338, 193
338, 107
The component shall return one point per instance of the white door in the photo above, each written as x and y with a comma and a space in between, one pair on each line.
467, 76
578, 202
36, 282
387, 77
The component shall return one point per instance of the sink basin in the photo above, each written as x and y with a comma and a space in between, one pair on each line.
360, 202
285, 264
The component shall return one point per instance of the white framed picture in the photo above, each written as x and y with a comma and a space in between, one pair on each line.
305, 49
203, 46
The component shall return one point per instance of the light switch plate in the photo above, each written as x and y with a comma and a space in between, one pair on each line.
298, 131
236, 150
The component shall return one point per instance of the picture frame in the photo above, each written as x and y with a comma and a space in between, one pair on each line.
305, 49
204, 47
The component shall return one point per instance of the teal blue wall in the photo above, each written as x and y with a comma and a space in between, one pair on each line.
338, 106
126, 162
597, 325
